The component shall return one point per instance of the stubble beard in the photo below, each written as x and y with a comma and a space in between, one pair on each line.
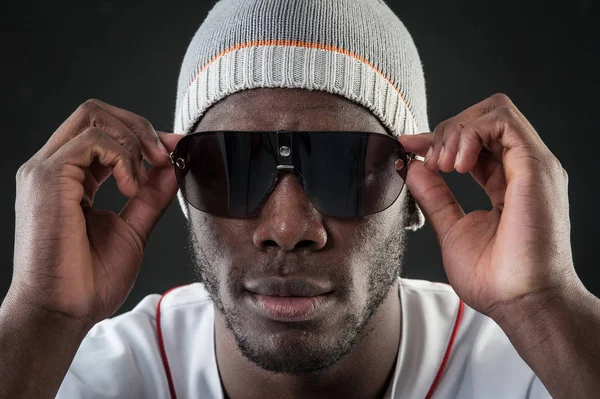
307, 356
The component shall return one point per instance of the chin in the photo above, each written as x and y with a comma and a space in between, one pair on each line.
291, 352
295, 348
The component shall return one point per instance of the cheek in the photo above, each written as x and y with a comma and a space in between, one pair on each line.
219, 244
359, 239
361, 243
223, 236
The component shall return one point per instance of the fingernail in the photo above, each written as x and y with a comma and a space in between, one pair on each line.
457, 159
441, 154
163, 148
428, 155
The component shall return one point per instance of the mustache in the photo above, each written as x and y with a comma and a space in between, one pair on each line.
290, 275
281, 274
283, 265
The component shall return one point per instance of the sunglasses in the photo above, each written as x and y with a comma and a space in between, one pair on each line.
344, 174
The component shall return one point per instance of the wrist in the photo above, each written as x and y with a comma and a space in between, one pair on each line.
542, 311
555, 332
37, 348
30, 317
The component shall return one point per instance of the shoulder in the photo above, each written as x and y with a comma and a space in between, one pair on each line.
437, 304
481, 361
121, 355
179, 298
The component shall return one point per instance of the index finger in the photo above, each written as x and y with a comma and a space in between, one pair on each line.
169, 140
142, 128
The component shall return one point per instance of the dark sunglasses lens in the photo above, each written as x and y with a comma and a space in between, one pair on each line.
226, 174
351, 174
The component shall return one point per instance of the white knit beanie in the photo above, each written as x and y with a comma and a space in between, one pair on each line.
357, 49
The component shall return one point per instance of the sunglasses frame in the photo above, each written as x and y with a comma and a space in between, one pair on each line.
283, 160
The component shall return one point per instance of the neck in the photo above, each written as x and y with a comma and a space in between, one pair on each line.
366, 372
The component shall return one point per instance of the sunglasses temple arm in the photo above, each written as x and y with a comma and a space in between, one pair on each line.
412, 155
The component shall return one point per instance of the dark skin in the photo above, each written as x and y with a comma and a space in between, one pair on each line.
289, 232
74, 265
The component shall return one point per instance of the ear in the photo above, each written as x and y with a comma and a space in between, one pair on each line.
415, 218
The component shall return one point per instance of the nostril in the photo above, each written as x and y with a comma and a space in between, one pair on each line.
300, 245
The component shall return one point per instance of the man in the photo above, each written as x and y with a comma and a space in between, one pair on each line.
297, 201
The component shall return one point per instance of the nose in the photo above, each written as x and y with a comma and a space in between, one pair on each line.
288, 221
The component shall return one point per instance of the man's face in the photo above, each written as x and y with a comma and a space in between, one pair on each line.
354, 263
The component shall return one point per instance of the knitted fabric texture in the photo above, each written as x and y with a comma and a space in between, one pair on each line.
357, 49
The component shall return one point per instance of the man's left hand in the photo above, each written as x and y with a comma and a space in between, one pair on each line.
521, 247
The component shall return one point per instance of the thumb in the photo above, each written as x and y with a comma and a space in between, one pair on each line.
434, 197
143, 210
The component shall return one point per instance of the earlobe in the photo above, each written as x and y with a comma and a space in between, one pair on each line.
414, 216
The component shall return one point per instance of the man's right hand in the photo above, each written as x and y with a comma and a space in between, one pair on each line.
72, 259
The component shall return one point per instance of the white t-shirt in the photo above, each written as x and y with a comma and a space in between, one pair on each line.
446, 348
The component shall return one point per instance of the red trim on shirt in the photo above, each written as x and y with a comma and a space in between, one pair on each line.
161, 345
163, 353
461, 307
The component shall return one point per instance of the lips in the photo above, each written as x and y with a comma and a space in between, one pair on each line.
288, 300
277, 286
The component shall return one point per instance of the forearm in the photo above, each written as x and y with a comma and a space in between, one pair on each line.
559, 338
36, 350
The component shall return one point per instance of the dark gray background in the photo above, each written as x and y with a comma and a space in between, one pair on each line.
544, 55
